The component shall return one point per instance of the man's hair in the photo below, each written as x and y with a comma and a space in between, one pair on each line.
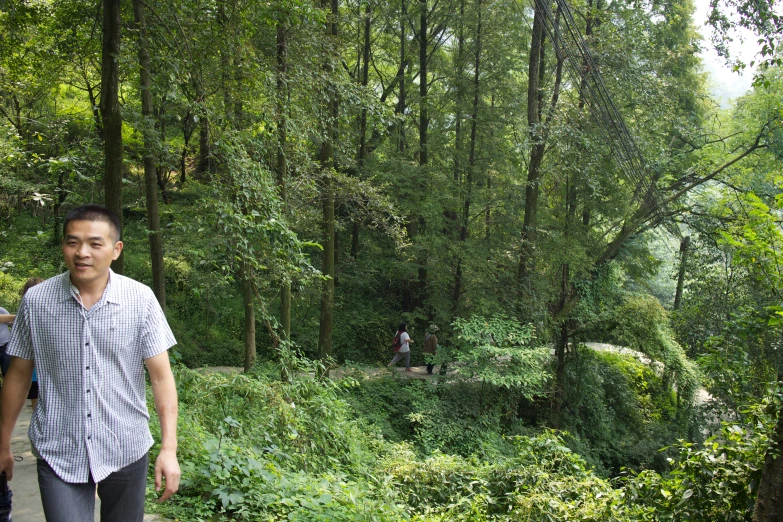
93, 212
29, 284
402, 327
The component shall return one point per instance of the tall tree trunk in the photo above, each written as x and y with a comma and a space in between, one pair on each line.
327, 196
769, 502
188, 126
94, 103
204, 166
401, 99
112, 115
150, 185
365, 79
468, 185
565, 292
424, 123
282, 162
458, 72
561, 346
534, 89
226, 66
248, 303
424, 120
684, 244
61, 195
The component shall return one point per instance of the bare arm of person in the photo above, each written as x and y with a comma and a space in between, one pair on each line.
15, 387
164, 391
7, 318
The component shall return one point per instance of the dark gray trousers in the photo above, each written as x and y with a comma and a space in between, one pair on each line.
121, 493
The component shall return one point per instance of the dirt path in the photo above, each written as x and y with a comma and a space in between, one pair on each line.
26, 498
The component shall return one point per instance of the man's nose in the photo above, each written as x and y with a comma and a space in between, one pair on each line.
82, 250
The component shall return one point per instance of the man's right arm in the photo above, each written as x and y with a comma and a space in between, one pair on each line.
7, 318
16, 385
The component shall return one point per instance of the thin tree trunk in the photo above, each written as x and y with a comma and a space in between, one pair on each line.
401, 100
365, 79
112, 115
468, 188
95, 104
565, 291
188, 126
327, 195
61, 195
535, 77
423, 139
684, 244
769, 502
282, 162
150, 186
204, 160
424, 121
160, 169
226, 76
560, 354
250, 315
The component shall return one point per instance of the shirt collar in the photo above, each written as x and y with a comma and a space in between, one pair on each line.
110, 293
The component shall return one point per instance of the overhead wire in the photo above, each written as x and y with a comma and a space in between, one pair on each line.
583, 70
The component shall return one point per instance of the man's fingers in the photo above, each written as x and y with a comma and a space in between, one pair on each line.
172, 485
158, 474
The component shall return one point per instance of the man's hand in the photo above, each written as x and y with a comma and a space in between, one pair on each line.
7, 463
167, 467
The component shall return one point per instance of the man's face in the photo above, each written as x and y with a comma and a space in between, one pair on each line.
88, 249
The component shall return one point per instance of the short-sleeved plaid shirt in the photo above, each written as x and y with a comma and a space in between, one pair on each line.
92, 412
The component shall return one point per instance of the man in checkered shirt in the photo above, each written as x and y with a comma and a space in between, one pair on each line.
89, 333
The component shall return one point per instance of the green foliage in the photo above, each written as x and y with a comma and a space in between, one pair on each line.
498, 351
258, 449
9, 291
643, 325
620, 412
716, 480
543, 480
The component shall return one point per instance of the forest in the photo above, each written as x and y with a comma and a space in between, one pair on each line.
551, 182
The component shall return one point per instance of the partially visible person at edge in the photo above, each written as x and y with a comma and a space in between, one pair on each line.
430, 345
33, 393
5, 334
90, 332
405, 350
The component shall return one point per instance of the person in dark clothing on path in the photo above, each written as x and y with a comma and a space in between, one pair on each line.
430, 346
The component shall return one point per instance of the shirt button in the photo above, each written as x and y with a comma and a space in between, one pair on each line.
89, 414
88, 367
88, 391
88, 438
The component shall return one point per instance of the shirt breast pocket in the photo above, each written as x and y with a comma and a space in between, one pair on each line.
117, 337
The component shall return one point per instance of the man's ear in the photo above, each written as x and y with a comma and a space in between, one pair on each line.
117, 250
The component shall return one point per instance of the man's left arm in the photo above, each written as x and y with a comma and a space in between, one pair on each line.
164, 391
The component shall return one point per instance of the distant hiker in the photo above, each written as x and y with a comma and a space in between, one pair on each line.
5, 335
402, 339
430, 345
33, 393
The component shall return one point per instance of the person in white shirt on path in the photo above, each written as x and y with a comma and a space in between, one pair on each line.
405, 350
